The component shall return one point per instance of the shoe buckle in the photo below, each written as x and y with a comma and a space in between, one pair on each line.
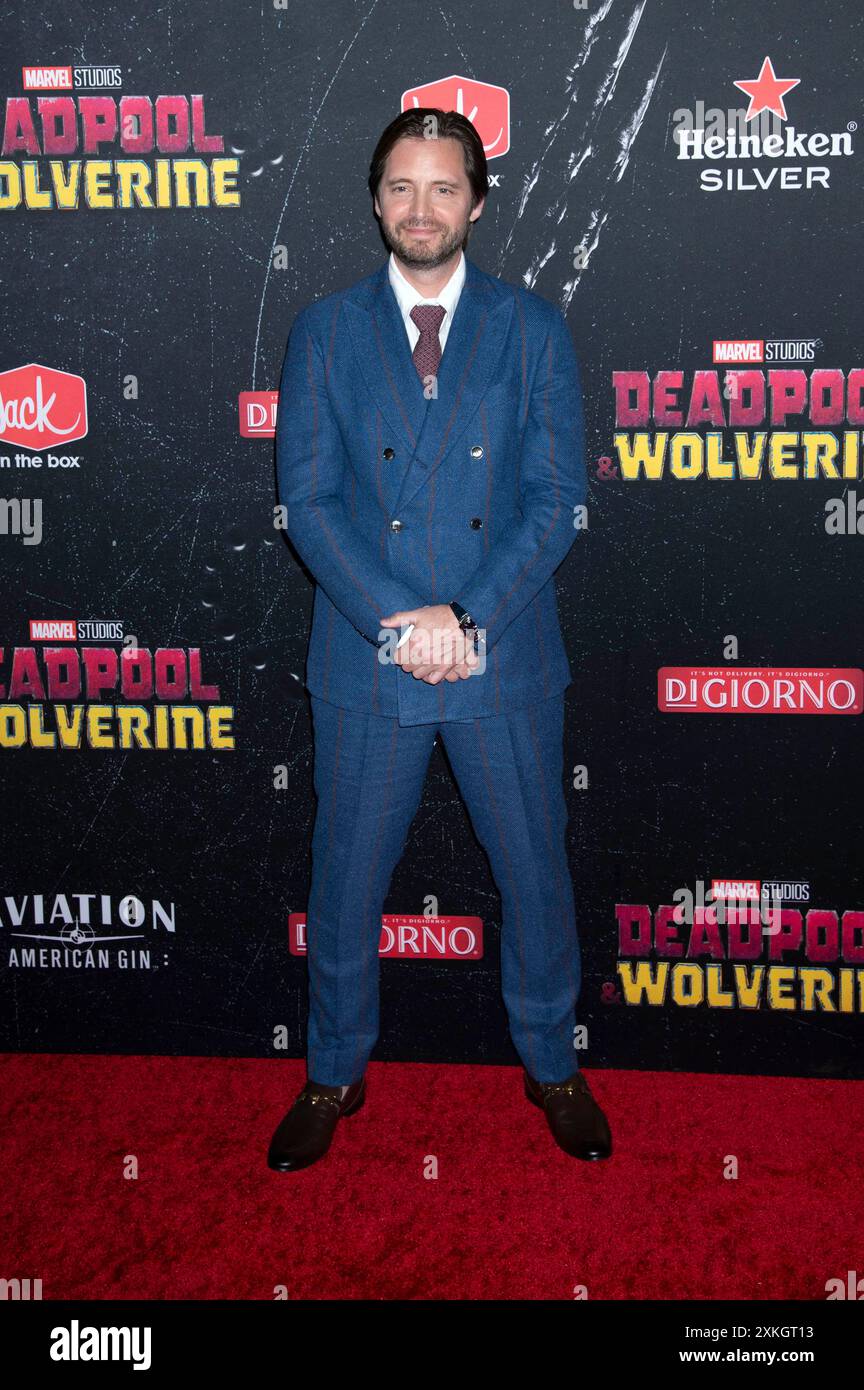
320, 1097
554, 1088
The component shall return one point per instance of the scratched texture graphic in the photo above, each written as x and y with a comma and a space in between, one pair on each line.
166, 522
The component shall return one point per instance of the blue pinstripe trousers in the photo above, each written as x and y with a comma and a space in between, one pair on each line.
369, 776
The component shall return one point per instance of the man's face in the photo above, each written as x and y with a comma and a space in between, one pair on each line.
424, 201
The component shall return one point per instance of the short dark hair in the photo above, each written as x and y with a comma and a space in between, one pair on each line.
450, 125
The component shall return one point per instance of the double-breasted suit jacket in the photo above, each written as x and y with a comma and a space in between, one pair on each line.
396, 498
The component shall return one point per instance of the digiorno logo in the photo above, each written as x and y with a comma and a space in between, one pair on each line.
760, 690
762, 151
746, 422
411, 937
257, 414
65, 148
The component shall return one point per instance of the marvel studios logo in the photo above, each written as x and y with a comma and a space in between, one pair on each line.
65, 77
744, 351
775, 890
76, 630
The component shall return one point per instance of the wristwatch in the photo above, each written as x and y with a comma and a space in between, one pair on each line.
467, 624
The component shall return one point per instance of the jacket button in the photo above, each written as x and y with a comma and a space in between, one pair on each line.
389, 453
475, 523
395, 525
476, 451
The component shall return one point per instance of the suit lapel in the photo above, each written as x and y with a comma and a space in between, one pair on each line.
426, 430
383, 354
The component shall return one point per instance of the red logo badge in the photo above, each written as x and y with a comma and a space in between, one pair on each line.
487, 107
41, 407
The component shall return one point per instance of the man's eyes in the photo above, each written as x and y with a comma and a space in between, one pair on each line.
442, 188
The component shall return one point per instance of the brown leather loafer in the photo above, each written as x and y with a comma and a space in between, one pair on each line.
304, 1135
578, 1125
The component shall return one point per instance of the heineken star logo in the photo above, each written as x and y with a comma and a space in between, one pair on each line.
766, 92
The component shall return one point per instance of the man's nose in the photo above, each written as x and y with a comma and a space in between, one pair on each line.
420, 206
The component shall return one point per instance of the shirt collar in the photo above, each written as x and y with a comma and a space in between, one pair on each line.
407, 296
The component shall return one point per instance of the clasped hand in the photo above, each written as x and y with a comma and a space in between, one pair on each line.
437, 649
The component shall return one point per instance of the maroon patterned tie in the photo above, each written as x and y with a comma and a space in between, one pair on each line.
427, 350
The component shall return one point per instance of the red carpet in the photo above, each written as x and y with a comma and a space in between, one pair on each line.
508, 1217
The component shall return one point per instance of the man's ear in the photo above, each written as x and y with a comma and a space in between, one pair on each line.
477, 211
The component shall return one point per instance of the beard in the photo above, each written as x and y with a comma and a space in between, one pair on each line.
430, 251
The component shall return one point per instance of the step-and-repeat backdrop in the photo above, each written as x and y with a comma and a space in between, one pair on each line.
685, 182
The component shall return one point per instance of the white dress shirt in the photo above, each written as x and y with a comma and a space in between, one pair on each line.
407, 297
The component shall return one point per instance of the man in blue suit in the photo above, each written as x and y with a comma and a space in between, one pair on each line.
430, 458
